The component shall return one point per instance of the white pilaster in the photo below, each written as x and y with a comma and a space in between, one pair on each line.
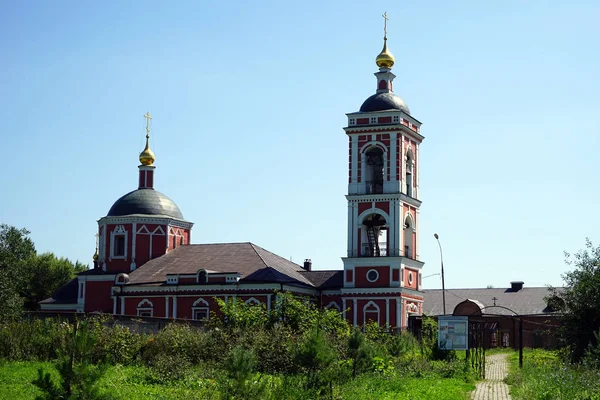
133, 237
174, 306
114, 305
166, 306
344, 309
387, 313
122, 305
398, 313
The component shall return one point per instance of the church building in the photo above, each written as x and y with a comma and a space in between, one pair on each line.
146, 264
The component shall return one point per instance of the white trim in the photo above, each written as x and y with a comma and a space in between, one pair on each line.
387, 312
399, 313
376, 275
101, 278
145, 306
333, 304
118, 232
365, 311
122, 305
252, 302
212, 288
49, 307
144, 219
200, 303
174, 306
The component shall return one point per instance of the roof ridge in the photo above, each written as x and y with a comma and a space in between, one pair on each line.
255, 246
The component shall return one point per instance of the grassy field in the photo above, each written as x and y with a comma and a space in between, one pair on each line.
134, 382
545, 377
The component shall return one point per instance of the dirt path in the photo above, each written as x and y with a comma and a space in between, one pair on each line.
493, 387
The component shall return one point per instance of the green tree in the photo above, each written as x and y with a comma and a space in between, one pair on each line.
579, 301
44, 275
16, 252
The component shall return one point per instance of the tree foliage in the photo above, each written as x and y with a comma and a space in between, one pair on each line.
579, 301
16, 251
26, 278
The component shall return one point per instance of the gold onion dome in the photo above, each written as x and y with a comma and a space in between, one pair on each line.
385, 59
147, 156
95, 256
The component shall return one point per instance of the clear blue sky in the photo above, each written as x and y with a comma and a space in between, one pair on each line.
249, 101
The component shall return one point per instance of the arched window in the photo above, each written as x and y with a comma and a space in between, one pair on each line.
252, 302
409, 173
200, 310
202, 277
374, 236
409, 230
332, 305
370, 313
374, 170
145, 308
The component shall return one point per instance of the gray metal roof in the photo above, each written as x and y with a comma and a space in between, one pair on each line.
145, 202
527, 301
384, 101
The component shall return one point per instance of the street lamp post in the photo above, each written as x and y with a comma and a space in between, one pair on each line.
437, 237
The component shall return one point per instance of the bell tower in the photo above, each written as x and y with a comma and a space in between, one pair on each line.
383, 203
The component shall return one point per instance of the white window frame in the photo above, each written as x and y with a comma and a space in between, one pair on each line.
118, 231
200, 305
252, 301
365, 311
145, 306
376, 275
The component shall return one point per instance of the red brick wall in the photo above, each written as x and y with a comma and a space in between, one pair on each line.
361, 277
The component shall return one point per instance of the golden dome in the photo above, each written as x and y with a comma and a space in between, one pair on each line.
147, 156
95, 257
385, 59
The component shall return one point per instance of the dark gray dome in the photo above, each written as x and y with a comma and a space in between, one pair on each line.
145, 201
384, 101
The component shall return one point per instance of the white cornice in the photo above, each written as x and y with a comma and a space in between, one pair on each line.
145, 219
61, 307
215, 288
384, 197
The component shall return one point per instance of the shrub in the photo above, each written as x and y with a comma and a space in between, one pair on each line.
78, 376
403, 343
317, 359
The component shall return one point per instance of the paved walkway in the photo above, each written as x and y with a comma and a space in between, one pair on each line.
493, 387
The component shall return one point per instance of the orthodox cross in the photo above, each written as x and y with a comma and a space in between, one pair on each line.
97, 239
385, 20
148, 118
494, 299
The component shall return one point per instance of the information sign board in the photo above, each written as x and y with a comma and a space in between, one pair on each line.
453, 333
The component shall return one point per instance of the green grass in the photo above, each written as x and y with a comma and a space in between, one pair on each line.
370, 387
545, 377
138, 383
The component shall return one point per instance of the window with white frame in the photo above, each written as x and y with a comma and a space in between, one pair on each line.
409, 173
202, 277
145, 308
370, 313
372, 275
118, 248
252, 302
200, 310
